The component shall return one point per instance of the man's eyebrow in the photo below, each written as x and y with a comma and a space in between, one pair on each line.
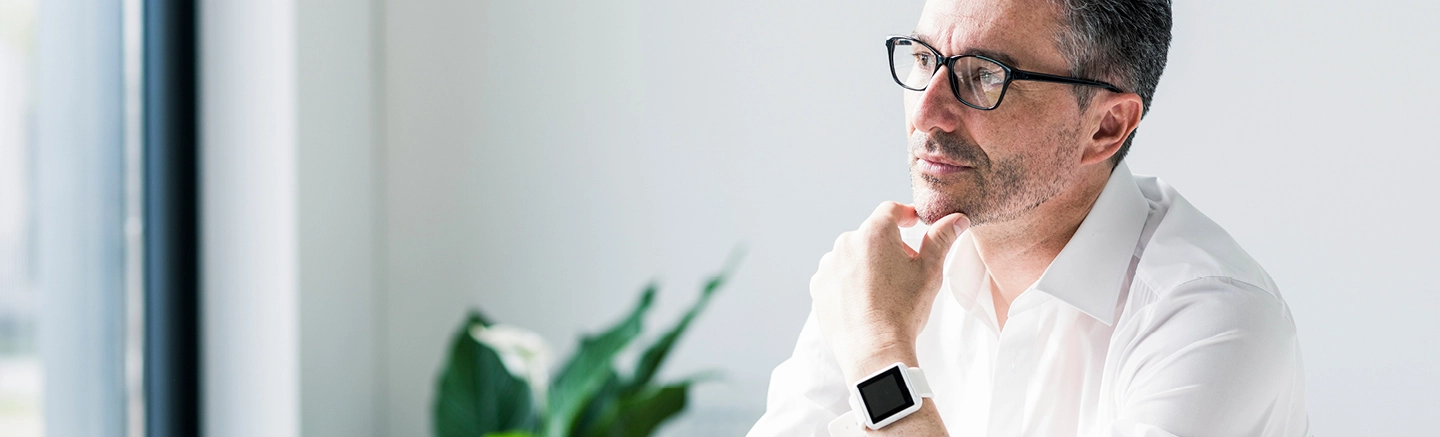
998, 56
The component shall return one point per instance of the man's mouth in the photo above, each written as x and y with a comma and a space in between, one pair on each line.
937, 166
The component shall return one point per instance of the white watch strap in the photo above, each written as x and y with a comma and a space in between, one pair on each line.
922, 385
847, 425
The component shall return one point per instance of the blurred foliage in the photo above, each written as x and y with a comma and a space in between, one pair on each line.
478, 397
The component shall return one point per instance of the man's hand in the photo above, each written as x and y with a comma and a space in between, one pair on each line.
872, 293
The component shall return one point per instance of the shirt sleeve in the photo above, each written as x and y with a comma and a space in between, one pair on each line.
807, 391
1213, 357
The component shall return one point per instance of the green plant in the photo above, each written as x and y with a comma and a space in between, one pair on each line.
479, 393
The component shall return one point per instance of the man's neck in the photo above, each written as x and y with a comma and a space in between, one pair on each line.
1017, 252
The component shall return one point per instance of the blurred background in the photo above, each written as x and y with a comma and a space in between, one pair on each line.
368, 170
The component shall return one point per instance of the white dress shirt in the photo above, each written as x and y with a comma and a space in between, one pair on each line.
1151, 321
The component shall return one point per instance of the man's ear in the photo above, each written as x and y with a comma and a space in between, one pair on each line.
1110, 119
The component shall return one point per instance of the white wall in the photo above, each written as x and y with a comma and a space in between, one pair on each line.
290, 195
248, 219
340, 380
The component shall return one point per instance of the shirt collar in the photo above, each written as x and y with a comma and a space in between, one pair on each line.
1089, 272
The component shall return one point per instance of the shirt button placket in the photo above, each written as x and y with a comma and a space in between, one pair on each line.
1007, 399
1013, 375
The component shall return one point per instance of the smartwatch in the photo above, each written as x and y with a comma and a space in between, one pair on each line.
885, 397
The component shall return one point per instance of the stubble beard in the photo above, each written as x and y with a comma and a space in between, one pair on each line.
998, 190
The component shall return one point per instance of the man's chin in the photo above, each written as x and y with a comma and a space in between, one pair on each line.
931, 211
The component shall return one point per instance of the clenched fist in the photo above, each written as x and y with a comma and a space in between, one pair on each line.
872, 293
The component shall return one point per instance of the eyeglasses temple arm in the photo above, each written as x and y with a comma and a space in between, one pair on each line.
1042, 77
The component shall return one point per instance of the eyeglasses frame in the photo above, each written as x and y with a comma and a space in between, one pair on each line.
1011, 74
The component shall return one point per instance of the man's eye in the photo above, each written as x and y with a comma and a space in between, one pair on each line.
989, 77
923, 60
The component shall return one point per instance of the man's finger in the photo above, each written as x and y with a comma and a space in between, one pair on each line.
942, 235
892, 214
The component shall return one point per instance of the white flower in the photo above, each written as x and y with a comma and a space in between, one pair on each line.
525, 354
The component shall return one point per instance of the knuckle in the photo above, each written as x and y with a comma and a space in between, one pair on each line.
817, 280
882, 210
825, 262
873, 231
871, 227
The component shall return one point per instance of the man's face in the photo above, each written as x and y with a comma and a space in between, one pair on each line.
992, 165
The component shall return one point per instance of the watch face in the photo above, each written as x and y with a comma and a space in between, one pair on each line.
885, 395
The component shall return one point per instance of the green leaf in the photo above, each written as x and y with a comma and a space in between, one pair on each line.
588, 370
601, 407
476, 317
650, 408
655, 355
476, 395
641, 413
510, 434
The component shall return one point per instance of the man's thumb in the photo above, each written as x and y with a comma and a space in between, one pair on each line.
941, 236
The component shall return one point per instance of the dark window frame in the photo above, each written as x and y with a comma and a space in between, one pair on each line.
171, 163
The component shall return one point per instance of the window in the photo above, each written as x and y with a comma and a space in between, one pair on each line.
66, 255
93, 303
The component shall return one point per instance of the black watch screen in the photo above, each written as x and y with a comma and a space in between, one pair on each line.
885, 394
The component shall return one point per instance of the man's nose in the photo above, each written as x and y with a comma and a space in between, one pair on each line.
937, 107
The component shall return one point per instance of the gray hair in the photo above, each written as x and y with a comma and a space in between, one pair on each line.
1124, 42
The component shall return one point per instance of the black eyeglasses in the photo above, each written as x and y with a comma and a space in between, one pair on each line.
979, 82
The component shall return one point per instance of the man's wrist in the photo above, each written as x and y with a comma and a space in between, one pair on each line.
926, 422
878, 358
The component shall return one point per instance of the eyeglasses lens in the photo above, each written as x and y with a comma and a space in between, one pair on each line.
914, 64
981, 81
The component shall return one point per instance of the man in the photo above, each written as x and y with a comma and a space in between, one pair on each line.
1054, 293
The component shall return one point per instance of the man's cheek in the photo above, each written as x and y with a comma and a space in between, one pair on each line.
909, 115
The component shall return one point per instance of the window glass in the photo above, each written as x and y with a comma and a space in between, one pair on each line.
63, 209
